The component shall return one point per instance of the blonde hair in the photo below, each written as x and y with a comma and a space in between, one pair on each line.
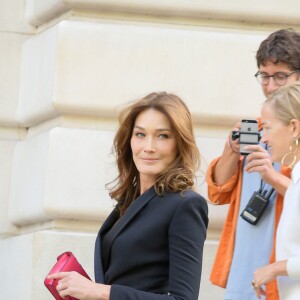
180, 175
286, 102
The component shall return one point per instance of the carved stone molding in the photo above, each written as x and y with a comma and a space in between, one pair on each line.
257, 11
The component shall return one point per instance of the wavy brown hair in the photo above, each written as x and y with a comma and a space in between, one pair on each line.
180, 175
280, 46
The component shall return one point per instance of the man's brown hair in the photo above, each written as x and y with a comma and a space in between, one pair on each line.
282, 46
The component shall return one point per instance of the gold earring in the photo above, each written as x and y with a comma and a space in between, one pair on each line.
289, 154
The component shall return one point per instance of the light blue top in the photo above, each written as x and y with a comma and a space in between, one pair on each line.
253, 243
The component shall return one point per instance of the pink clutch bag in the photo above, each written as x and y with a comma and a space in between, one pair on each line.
66, 262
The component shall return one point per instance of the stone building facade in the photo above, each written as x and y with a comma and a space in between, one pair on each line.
66, 67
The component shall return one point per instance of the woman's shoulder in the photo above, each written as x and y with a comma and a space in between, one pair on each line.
190, 203
191, 194
193, 197
187, 196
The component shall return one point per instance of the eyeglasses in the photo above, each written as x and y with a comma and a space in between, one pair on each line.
280, 78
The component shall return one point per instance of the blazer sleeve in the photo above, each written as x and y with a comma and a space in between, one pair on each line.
187, 233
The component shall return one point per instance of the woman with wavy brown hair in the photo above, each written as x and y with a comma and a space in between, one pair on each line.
150, 247
180, 174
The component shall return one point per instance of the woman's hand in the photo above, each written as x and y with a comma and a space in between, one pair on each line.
261, 277
259, 160
75, 285
267, 274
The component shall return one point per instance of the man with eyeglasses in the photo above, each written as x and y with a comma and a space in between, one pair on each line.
232, 179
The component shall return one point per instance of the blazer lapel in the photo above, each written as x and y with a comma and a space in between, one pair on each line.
131, 212
98, 266
115, 230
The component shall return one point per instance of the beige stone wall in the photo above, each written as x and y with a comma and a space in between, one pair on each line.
66, 67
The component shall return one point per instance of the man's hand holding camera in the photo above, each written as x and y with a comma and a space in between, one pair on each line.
233, 141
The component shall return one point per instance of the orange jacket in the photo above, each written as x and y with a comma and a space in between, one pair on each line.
230, 193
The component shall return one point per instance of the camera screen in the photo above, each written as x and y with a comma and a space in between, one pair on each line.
249, 138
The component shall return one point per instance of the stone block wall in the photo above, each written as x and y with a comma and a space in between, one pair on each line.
66, 68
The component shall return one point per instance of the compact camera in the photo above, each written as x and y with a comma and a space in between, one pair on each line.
248, 135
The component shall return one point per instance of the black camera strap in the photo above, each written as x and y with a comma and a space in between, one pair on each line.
262, 191
257, 204
265, 193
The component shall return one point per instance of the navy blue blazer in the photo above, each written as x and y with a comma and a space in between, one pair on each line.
155, 249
